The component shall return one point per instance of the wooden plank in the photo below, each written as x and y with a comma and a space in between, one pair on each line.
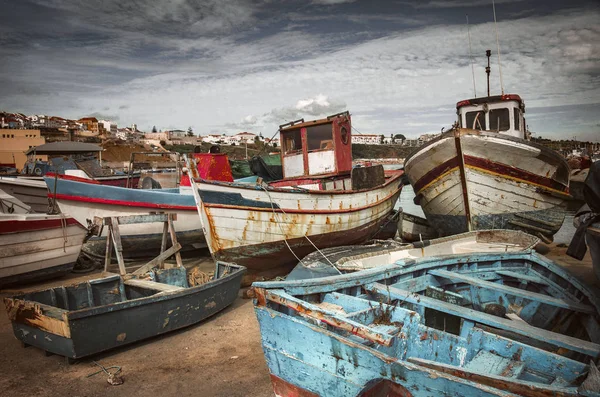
134, 219
118, 246
549, 300
108, 252
154, 262
543, 335
521, 276
90, 294
63, 293
172, 217
152, 285
163, 244
327, 317
517, 386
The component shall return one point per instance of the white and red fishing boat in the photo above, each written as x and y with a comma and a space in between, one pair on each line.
35, 246
321, 201
485, 173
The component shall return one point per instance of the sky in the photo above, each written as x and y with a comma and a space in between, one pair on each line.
225, 66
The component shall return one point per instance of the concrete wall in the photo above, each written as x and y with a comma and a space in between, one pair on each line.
14, 143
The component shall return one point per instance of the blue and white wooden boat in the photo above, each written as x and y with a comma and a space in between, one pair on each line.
346, 259
482, 324
84, 200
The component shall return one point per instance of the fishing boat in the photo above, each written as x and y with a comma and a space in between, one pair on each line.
36, 246
321, 201
33, 193
346, 259
479, 324
414, 228
485, 173
97, 315
85, 199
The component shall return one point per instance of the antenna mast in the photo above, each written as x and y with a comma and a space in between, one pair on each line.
488, 54
471, 55
498, 47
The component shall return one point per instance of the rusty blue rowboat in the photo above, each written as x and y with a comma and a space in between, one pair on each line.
491, 324
84, 319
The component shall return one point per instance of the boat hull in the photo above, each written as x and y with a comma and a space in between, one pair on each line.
389, 331
30, 192
471, 180
84, 201
36, 246
266, 231
85, 326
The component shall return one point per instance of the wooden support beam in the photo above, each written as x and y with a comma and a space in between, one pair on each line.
171, 218
116, 237
568, 342
534, 296
152, 285
108, 252
165, 237
173, 250
520, 276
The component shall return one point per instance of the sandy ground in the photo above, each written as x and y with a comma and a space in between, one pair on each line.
221, 356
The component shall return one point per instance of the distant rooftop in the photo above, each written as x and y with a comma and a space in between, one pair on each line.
64, 148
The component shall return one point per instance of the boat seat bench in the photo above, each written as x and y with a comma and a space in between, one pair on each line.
147, 284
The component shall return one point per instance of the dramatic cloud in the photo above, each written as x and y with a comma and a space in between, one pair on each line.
227, 66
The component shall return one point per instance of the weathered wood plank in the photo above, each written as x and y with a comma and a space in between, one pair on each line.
333, 319
152, 285
554, 338
171, 218
549, 300
154, 262
163, 244
116, 236
133, 219
108, 252
520, 387
522, 276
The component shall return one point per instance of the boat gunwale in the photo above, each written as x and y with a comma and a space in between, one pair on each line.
472, 132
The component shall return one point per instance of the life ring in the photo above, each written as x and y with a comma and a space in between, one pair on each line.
37, 171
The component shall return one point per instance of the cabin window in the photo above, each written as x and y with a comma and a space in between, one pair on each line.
476, 120
292, 142
319, 137
499, 119
517, 119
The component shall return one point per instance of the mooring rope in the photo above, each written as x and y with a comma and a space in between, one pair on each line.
305, 236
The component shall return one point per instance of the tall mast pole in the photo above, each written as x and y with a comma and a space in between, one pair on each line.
488, 53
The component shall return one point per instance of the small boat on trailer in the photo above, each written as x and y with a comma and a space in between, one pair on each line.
84, 319
482, 324
321, 202
338, 260
485, 173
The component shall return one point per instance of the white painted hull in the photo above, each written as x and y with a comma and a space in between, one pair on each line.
508, 183
244, 228
28, 249
31, 192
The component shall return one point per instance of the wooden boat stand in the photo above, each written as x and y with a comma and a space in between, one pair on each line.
113, 239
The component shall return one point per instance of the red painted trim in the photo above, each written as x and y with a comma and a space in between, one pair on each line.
30, 225
96, 200
286, 389
491, 166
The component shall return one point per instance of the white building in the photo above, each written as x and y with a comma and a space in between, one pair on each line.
213, 138
367, 139
109, 126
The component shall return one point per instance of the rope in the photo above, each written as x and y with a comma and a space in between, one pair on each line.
305, 236
113, 379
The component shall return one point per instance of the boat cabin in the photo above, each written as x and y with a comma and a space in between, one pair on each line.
63, 157
316, 148
502, 114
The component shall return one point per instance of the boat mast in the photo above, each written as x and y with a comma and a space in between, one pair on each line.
488, 54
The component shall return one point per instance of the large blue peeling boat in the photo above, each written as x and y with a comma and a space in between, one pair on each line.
479, 324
